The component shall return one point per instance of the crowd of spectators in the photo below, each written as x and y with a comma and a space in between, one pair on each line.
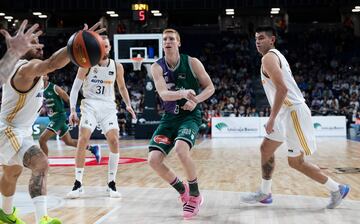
325, 64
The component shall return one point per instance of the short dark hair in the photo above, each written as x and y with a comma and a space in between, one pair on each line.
269, 30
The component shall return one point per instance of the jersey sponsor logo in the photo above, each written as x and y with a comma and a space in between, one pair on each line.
99, 81
162, 139
111, 73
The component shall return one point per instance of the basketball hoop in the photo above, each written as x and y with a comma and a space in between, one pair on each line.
137, 63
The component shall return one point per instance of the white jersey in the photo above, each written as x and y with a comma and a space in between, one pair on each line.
294, 95
99, 83
19, 109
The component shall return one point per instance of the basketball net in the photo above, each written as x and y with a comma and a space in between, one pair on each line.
137, 61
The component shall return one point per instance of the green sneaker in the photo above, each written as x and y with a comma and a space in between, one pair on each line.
10, 219
47, 220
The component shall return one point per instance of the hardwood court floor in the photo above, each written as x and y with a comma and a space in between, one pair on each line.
226, 169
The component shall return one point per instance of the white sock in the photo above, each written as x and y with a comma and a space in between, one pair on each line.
266, 186
40, 207
7, 204
113, 166
79, 172
331, 185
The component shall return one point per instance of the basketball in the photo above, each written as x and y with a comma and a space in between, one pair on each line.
85, 48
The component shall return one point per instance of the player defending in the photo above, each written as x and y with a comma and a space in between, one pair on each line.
98, 107
54, 101
21, 101
178, 78
288, 113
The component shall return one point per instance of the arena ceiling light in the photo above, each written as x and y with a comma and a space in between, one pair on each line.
229, 11
275, 11
43, 16
114, 15
37, 13
110, 12
8, 17
356, 9
158, 14
155, 11
2, 14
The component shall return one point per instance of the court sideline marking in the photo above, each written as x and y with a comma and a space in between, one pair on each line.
102, 219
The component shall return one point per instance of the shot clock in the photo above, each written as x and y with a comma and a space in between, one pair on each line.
140, 12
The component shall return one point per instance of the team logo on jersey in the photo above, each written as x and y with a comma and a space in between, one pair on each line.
149, 86
111, 123
40, 94
181, 76
95, 70
162, 139
111, 73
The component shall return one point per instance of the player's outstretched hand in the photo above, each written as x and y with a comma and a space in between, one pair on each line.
22, 42
95, 28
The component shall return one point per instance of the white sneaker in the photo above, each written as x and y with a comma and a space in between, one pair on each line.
77, 190
113, 193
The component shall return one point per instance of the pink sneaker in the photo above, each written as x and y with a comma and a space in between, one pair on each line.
184, 197
191, 208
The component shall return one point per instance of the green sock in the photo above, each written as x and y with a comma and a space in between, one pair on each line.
194, 189
178, 185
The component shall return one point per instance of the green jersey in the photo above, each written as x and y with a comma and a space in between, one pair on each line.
53, 101
181, 77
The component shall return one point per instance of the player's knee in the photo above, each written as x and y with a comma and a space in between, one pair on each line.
41, 164
264, 151
66, 141
295, 163
82, 142
154, 161
182, 153
113, 141
11, 177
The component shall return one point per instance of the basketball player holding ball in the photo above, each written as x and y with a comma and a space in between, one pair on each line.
98, 106
21, 101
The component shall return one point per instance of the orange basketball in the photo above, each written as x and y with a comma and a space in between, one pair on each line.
85, 48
